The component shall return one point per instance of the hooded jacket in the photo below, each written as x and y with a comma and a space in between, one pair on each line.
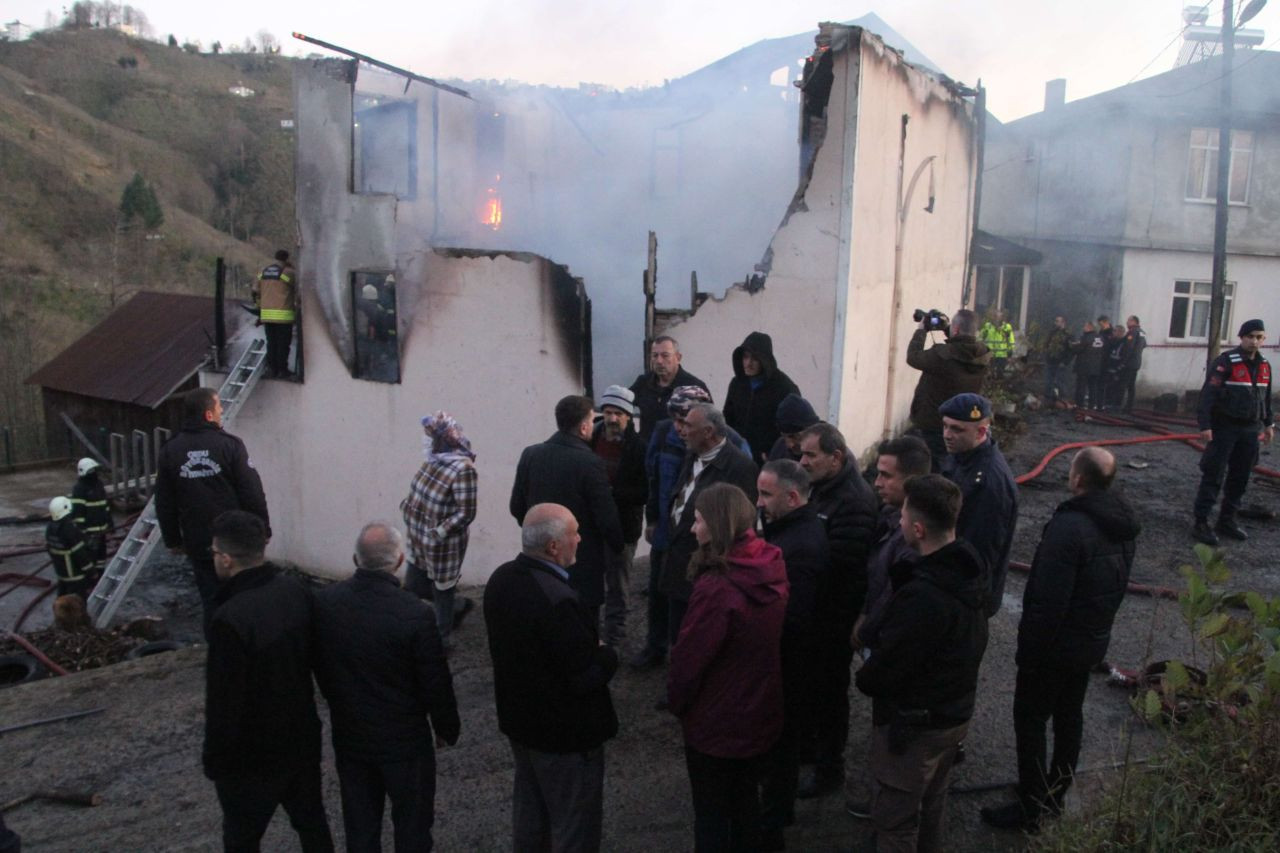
751, 403
725, 681
1077, 581
931, 641
946, 370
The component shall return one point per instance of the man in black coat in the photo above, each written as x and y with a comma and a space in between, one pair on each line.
847, 508
1089, 350
201, 473
653, 389
975, 464
1077, 583
381, 666
262, 733
795, 415
563, 470
757, 387
923, 675
710, 458
551, 683
615, 441
791, 523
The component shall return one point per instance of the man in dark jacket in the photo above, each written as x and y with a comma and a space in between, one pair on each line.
923, 675
653, 389
947, 369
663, 461
90, 510
1077, 583
381, 666
1127, 358
1089, 350
757, 387
795, 415
201, 473
847, 509
563, 470
791, 523
1057, 354
615, 441
711, 458
975, 464
1234, 416
551, 682
262, 733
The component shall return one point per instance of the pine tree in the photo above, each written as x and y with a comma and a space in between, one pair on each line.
139, 200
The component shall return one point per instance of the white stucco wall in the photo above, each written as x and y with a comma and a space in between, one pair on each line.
843, 237
1176, 365
336, 452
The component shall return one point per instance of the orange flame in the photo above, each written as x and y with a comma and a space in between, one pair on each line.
491, 214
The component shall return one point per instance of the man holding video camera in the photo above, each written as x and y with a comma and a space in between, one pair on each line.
947, 369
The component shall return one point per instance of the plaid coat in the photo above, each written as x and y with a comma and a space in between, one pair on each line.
437, 515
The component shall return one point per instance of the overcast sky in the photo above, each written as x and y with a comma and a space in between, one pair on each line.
1014, 46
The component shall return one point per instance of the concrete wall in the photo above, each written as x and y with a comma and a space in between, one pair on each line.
828, 299
1177, 365
336, 452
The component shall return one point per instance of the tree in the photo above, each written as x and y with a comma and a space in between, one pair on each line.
173, 42
217, 48
139, 201
268, 42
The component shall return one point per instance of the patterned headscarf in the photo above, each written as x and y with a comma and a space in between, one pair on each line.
443, 439
684, 398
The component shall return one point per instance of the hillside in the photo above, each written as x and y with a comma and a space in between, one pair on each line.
80, 113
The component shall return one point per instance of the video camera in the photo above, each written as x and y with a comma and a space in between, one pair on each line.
934, 320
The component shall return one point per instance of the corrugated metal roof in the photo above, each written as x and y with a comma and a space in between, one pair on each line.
141, 352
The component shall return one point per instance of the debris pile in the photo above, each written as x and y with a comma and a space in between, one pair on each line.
86, 647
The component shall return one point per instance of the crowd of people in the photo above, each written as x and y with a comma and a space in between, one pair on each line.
775, 563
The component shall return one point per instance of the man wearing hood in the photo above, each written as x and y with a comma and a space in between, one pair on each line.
975, 464
1077, 582
923, 676
795, 415
946, 369
757, 387
201, 473
847, 509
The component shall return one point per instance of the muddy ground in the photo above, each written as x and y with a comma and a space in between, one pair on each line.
142, 752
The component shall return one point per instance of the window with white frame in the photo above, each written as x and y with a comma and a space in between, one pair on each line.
1202, 166
1002, 288
1189, 319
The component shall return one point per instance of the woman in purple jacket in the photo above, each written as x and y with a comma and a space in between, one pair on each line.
725, 681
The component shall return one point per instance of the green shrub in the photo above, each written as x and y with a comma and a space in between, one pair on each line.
1215, 785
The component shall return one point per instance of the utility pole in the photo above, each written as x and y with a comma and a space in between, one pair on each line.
1217, 299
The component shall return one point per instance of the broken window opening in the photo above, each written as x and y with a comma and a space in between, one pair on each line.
385, 146
491, 154
375, 333
1003, 288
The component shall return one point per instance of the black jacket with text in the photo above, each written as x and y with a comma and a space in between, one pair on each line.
381, 666
1077, 582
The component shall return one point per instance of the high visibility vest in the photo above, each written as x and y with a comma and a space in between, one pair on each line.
275, 294
999, 339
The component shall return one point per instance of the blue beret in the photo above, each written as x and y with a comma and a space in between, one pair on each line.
966, 407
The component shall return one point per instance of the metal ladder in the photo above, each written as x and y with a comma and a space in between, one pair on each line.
143, 537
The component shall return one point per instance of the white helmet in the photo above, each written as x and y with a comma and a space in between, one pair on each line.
87, 464
59, 508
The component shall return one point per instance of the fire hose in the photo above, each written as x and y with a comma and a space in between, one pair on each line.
32, 650
1192, 441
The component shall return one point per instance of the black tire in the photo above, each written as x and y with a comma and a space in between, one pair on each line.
20, 669
157, 647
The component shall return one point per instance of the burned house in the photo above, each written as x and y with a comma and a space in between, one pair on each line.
880, 225
1117, 193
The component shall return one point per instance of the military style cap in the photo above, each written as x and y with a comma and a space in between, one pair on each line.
1251, 326
966, 407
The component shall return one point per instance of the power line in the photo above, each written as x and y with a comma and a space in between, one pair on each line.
1176, 36
1255, 55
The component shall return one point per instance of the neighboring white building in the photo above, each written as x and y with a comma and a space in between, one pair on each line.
17, 31
1117, 193
842, 278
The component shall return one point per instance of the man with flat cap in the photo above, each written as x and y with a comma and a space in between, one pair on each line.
989, 512
1234, 416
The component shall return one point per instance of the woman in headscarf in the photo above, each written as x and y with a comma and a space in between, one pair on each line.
437, 514
725, 681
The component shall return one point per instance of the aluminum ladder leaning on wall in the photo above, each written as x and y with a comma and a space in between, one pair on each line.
131, 556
